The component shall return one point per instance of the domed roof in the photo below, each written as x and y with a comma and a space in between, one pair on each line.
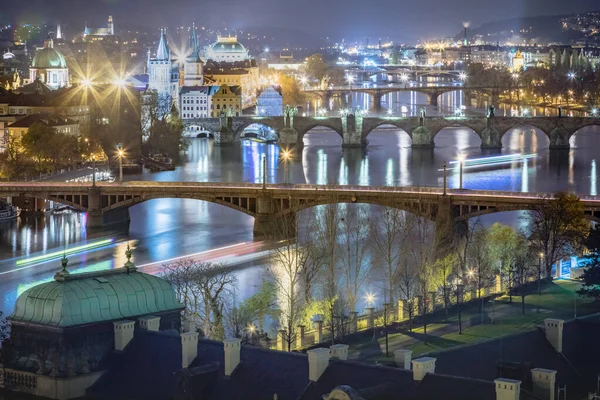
226, 44
48, 57
86, 298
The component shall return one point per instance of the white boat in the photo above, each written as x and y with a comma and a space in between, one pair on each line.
8, 212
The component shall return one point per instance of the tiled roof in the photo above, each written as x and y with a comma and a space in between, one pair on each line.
49, 120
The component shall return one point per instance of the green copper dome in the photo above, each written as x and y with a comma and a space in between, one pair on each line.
48, 57
227, 45
79, 299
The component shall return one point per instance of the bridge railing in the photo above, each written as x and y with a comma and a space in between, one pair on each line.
299, 187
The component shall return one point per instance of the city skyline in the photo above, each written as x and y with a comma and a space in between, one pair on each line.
400, 21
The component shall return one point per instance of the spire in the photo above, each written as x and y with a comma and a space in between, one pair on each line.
194, 42
58, 32
162, 54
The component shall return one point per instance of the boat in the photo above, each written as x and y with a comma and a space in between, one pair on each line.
8, 212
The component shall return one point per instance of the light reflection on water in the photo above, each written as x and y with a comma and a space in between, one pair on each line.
166, 228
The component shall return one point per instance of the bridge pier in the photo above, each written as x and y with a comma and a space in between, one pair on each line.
96, 218
490, 136
559, 138
226, 137
353, 139
422, 138
448, 231
288, 137
376, 101
433, 99
275, 227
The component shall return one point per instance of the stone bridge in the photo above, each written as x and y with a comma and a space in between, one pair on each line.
272, 204
354, 130
376, 94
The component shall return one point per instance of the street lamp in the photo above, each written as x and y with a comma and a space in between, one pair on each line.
404, 79
390, 112
286, 155
350, 79
463, 76
93, 170
594, 112
459, 289
303, 80
571, 75
264, 185
120, 153
461, 161
370, 298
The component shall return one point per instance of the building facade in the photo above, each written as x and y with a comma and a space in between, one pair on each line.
269, 103
227, 100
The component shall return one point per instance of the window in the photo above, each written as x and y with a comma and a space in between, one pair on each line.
218, 106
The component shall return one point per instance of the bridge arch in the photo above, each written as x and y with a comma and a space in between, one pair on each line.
268, 122
592, 216
307, 124
595, 124
241, 204
526, 132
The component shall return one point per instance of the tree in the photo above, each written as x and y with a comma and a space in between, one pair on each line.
443, 270
407, 283
557, 227
388, 232
503, 242
263, 303
285, 272
482, 273
591, 280
355, 239
524, 268
203, 288
421, 243
290, 91
328, 235
40, 144
4, 339
316, 67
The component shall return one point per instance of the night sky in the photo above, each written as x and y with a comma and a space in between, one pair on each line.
404, 20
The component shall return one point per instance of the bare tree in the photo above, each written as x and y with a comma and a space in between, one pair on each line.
285, 271
329, 227
442, 271
203, 288
557, 225
525, 268
407, 283
421, 244
388, 232
355, 242
312, 258
481, 273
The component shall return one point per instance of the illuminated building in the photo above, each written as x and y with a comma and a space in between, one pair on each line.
100, 34
49, 66
196, 101
227, 99
226, 49
518, 62
160, 74
60, 124
269, 103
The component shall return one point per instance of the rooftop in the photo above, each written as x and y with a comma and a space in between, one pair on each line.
88, 298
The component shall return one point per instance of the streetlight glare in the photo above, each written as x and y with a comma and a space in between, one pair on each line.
463, 76
370, 298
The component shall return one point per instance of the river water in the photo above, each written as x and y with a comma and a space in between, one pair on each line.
167, 228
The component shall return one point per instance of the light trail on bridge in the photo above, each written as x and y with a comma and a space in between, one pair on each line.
493, 161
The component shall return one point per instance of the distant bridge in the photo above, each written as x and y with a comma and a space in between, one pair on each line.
354, 130
271, 204
376, 94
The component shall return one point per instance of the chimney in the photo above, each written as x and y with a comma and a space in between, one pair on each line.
150, 323
544, 383
339, 351
403, 358
318, 360
422, 366
123, 334
232, 349
189, 348
507, 389
554, 332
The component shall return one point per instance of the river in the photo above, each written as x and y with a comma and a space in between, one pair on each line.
167, 228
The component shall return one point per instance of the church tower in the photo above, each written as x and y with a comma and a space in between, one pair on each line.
193, 70
111, 25
159, 73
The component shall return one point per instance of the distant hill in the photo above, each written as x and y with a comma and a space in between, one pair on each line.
540, 29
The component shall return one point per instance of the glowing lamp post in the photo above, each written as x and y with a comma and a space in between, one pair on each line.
463, 77
120, 153
303, 81
370, 299
350, 79
461, 161
285, 158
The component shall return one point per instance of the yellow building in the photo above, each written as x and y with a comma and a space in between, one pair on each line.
242, 73
225, 99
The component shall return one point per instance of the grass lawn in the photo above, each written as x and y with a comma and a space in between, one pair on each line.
558, 300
